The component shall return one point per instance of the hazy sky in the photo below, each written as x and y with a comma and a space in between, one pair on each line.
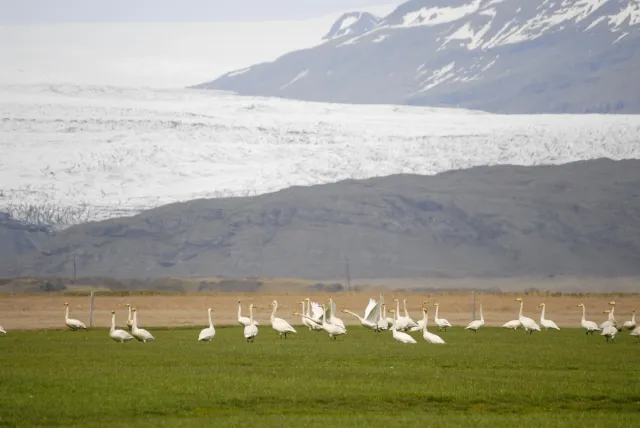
41, 11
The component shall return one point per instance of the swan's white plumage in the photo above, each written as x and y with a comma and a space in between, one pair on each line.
372, 314
528, 324
2, 330
207, 334
547, 324
129, 319
398, 335
73, 324
251, 329
589, 326
630, 325
278, 324
244, 320
140, 334
609, 332
117, 334
476, 324
513, 324
428, 336
440, 322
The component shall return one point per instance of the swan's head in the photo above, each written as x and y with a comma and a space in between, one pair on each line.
307, 299
113, 312
344, 311
296, 314
425, 302
612, 303
580, 305
395, 300
436, 304
541, 305
238, 301
209, 309
606, 311
126, 305
393, 311
518, 299
66, 304
133, 309
301, 301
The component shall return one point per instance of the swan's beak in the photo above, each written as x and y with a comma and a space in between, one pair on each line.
612, 303
113, 312
540, 305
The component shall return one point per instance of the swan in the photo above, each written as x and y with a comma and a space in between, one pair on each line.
398, 335
332, 314
117, 334
251, 329
429, 337
129, 319
332, 329
244, 320
140, 334
440, 322
420, 322
2, 330
589, 326
528, 324
278, 324
383, 324
513, 324
411, 322
611, 321
400, 323
70, 322
314, 310
207, 333
630, 325
547, 324
371, 314
635, 332
609, 331
304, 314
476, 324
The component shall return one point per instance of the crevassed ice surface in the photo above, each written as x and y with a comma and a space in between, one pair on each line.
116, 151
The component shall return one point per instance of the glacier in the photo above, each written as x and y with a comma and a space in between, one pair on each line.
86, 153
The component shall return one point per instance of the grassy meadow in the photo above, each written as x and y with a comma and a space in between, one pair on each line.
495, 378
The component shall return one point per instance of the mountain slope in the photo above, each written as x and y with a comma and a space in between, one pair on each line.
352, 24
512, 56
499, 221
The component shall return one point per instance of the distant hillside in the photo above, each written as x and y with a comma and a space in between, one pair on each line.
578, 219
516, 56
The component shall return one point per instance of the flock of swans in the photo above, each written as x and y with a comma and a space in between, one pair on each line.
317, 317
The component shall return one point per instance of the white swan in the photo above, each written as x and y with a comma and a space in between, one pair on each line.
2, 330
399, 323
332, 329
429, 337
630, 325
476, 324
410, 322
73, 324
278, 324
315, 311
305, 321
589, 326
513, 324
140, 334
528, 324
331, 312
398, 335
609, 331
635, 332
206, 334
117, 334
440, 322
547, 324
244, 320
129, 319
251, 329
420, 322
371, 314
611, 321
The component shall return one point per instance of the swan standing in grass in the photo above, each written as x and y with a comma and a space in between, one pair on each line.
251, 329
398, 335
117, 334
410, 323
611, 321
2, 330
635, 332
306, 316
609, 331
332, 329
420, 322
140, 334
278, 324
476, 324
440, 322
243, 320
528, 324
73, 324
400, 323
331, 311
207, 333
629, 325
429, 337
589, 326
129, 319
513, 324
314, 311
547, 324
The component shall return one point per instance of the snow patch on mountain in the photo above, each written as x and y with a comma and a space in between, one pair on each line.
352, 23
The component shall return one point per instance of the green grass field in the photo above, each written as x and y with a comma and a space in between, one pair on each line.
495, 378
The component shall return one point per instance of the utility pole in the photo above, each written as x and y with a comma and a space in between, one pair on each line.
348, 270
74, 269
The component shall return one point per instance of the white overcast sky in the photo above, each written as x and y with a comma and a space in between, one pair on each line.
49, 11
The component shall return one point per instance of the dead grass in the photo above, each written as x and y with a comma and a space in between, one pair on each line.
46, 311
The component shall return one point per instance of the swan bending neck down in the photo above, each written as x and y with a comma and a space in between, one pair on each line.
117, 334
140, 334
207, 333
251, 329
73, 324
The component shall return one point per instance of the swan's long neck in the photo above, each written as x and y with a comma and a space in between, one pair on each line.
521, 305
611, 318
404, 304
354, 314
435, 317
384, 312
66, 313
275, 307
424, 320
584, 313
324, 316
113, 322
239, 310
395, 320
210, 322
135, 321
250, 314
542, 314
129, 318
482, 317
633, 317
397, 309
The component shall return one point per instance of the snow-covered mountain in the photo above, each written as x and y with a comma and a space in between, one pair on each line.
352, 24
70, 154
495, 55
